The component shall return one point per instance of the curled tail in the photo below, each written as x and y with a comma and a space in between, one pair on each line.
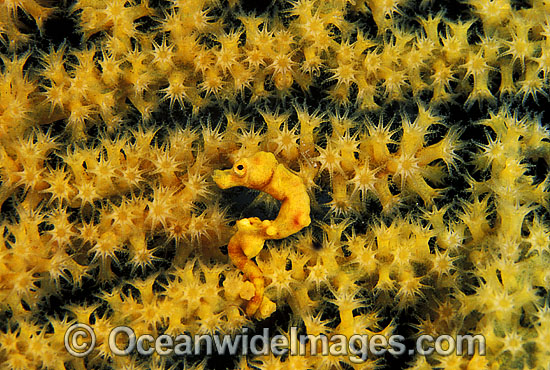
250, 270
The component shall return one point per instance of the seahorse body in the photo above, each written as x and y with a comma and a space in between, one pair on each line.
263, 172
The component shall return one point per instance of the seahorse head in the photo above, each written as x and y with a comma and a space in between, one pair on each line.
253, 172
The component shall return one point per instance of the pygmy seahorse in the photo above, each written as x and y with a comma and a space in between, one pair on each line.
263, 172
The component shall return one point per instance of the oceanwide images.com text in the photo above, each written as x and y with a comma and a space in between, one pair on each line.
80, 340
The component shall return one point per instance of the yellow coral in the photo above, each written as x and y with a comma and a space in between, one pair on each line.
426, 211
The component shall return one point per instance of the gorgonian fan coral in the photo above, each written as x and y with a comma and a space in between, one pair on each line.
415, 130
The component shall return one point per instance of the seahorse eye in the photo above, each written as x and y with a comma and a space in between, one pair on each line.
239, 169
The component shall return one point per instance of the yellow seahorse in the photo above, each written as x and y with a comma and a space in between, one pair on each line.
263, 172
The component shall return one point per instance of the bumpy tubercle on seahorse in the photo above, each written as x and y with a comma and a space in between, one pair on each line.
263, 172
